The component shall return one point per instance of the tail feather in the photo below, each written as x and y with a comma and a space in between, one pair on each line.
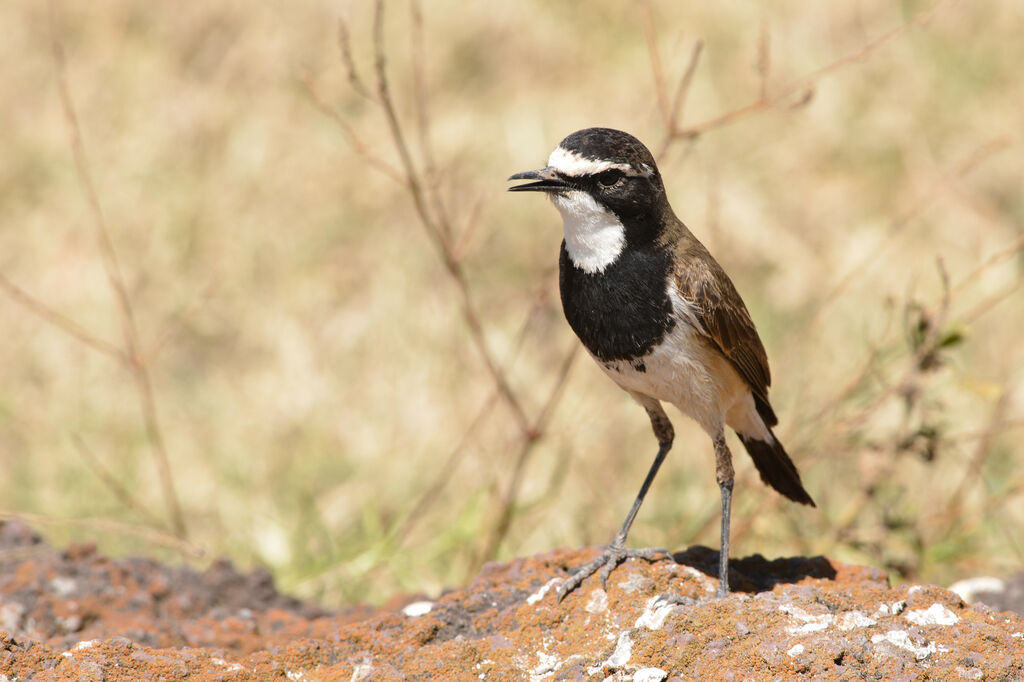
764, 409
776, 468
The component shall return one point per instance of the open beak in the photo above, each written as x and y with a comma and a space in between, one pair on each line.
547, 180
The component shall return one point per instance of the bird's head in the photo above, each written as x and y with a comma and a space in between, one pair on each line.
614, 168
607, 187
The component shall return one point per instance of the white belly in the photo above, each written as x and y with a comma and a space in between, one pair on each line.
688, 372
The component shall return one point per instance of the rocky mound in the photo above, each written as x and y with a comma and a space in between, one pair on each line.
79, 615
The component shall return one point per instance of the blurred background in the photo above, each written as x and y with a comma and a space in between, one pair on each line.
253, 305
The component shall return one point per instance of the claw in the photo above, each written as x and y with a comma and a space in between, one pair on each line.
612, 556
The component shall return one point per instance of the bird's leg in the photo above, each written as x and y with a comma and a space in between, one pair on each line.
724, 474
616, 552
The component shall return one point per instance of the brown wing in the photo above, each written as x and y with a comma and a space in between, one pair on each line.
725, 320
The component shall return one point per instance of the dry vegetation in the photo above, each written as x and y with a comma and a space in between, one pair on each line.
263, 293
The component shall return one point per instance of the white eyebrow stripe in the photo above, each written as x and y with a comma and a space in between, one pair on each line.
572, 164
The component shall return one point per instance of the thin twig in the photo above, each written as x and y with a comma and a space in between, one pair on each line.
134, 360
683, 87
508, 499
1008, 251
464, 238
802, 86
679, 99
120, 492
146, 533
65, 324
937, 188
987, 304
345, 45
431, 493
354, 141
444, 472
434, 231
422, 114
977, 460
657, 73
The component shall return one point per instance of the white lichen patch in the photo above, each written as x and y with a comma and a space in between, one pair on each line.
808, 621
936, 614
890, 609
654, 615
85, 644
796, 650
623, 651
418, 608
633, 582
649, 675
620, 657
598, 602
362, 671
539, 594
62, 586
901, 640
855, 619
546, 664
231, 667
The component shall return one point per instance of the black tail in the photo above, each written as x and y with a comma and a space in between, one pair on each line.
776, 468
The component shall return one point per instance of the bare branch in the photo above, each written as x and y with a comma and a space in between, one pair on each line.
145, 533
115, 279
508, 500
455, 456
982, 450
938, 188
1008, 251
464, 238
657, 72
120, 492
679, 99
430, 223
65, 324
991, 302
683, 88
421, 110
802, 87
345, 45
354, 141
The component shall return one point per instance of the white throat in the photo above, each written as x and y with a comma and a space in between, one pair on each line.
594, 237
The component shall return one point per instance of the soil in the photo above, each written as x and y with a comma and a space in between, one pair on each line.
78, 615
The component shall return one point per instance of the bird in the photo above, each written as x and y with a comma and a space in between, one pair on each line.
660, 316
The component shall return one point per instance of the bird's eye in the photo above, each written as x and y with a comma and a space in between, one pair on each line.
609, 177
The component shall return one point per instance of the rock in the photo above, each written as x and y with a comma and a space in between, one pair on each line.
797, 617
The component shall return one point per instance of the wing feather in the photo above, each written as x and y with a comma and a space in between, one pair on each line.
724, 319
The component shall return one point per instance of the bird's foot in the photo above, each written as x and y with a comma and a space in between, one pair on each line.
611, 557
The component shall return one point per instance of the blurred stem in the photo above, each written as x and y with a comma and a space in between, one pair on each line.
435, 231
511, 494
133, 359
795, 93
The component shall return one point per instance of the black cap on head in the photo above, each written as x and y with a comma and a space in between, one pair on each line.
608, 144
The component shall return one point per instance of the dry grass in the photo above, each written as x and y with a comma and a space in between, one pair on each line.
354, 358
